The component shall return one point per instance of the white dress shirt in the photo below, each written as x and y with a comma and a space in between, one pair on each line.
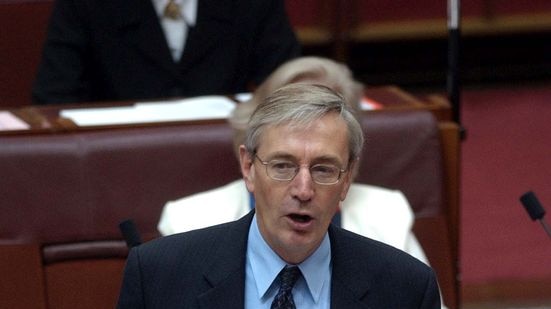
176, 31
312, 289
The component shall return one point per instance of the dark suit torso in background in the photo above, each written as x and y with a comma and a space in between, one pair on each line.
116, 50
206, 269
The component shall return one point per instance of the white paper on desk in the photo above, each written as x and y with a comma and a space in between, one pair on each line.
207, 107
103, 116
9, 121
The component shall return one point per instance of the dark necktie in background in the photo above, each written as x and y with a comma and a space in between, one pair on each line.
287, 279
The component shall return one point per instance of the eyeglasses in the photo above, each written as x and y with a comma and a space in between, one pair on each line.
282, 170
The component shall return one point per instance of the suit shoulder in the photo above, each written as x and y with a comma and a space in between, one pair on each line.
196, 243
375, 253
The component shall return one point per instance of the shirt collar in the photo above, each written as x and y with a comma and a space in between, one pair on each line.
266, 264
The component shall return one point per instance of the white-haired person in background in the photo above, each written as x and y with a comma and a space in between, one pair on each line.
378, 213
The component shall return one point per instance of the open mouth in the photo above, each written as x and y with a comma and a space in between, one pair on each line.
300, 218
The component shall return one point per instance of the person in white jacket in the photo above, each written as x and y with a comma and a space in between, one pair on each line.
374, 212
378, 213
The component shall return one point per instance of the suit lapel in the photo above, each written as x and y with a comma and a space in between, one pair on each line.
349, 283
226, 270
214, 21
139, 28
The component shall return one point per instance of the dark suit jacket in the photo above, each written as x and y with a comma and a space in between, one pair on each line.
116, 50
206, 269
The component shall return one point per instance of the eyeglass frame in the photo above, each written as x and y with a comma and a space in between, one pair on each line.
297, 169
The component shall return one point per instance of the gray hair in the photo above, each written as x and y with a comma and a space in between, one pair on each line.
324, 71
299, 105
310, 69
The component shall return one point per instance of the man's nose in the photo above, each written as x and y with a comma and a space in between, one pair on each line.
303, 185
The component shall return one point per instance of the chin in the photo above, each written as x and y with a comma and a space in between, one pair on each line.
303, 242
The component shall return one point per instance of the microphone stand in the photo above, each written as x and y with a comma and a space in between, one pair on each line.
546, 227
453, 76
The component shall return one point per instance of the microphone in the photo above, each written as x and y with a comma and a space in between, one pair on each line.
535, 210
130, 233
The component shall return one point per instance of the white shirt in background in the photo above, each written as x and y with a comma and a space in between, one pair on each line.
176, 31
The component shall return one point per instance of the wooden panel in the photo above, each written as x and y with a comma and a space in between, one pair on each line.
312, 20
84, 284
433, 235
22, 29
451, 144
21, 278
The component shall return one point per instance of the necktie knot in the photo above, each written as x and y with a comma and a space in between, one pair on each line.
289, 276
287, 279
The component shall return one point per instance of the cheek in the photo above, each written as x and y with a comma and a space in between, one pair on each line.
336, 198
331, 201
343, 195
262, 190
268, 194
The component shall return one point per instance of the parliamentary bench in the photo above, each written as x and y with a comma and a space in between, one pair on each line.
63, 195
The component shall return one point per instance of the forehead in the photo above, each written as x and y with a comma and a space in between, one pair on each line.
323, 137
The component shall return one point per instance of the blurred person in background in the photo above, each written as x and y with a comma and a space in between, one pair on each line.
157, 49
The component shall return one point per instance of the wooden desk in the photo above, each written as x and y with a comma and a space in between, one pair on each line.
46, 119
395, 98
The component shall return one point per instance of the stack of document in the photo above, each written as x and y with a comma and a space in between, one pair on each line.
199, 108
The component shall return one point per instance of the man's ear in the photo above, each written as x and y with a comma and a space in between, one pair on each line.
348, 178
247, 168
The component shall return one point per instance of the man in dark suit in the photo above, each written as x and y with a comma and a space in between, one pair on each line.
301, 145
119, 50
